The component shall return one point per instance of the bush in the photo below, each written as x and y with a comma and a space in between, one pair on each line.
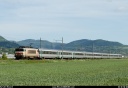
4, 57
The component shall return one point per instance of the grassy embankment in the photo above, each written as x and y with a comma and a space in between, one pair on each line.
107, 72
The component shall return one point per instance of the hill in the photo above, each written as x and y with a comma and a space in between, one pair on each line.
4, 43
8, 44
2, 39
95, 46
36, 44
98, 45
99, 42
79, 45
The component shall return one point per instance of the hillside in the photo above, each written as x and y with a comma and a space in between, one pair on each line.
35, 43
4, 43
2, 39
99, 42
95, 46
77, 43
8, 44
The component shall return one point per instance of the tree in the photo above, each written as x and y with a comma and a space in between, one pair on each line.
4, 57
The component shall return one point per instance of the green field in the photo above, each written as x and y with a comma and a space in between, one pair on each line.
100, 72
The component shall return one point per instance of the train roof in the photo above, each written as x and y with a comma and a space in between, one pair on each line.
25, 47
44, 49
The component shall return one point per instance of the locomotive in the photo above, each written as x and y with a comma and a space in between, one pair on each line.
24, 52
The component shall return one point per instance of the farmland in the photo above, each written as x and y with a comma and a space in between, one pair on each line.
99, 72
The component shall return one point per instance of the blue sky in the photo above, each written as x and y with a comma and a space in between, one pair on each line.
71, 19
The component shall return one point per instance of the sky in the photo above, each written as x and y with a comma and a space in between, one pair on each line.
71, 19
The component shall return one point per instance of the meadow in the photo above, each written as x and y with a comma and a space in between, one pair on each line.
99, 72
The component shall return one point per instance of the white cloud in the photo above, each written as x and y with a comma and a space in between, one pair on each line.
66, 8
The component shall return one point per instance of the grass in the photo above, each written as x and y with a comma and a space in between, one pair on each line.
103, 72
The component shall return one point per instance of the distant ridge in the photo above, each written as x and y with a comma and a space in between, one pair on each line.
87, 42
81, 45
98, 42
98, 45
35, 43
84, 43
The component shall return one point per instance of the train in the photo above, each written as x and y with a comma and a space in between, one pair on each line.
24, 52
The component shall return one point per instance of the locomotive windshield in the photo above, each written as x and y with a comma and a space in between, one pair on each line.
19, 49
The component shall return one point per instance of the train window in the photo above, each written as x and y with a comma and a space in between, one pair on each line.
90, 54
53, 52
49, 52
79, 54
44, 52
105, 55
113, 55
97, 54
66, 53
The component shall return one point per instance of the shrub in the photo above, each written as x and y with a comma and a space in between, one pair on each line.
4, 57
